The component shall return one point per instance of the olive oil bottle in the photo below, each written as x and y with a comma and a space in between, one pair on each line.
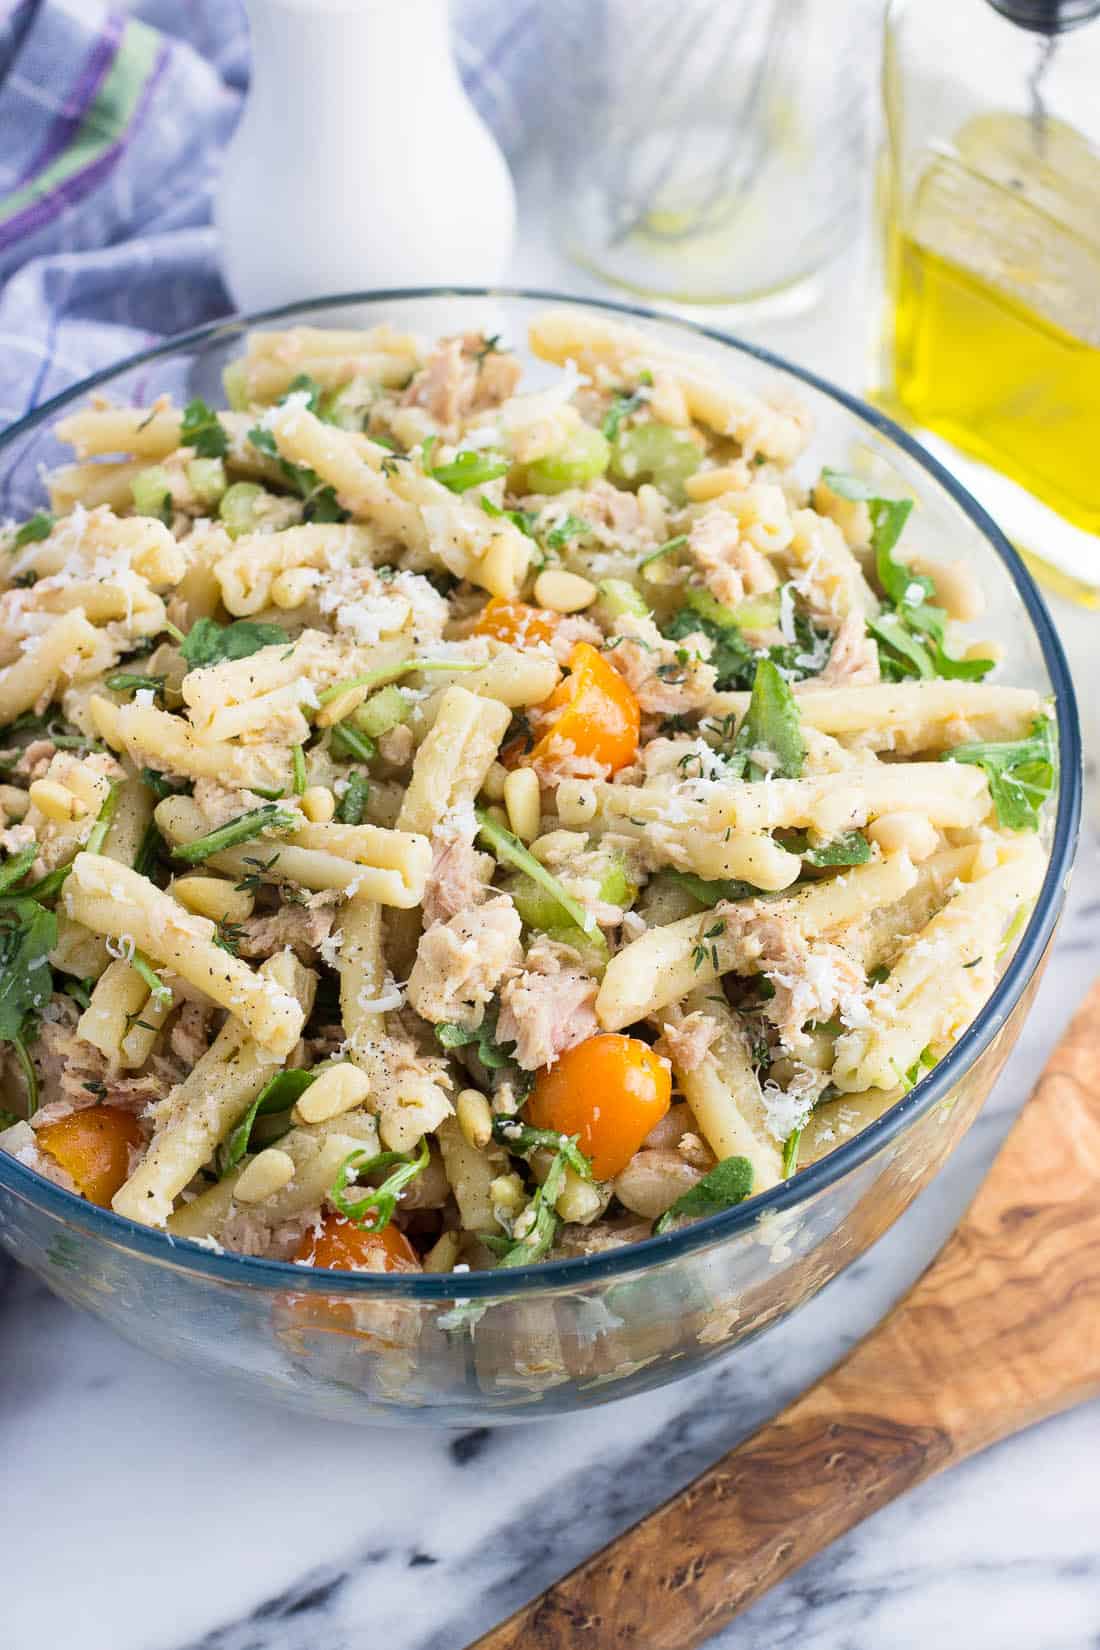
989, 199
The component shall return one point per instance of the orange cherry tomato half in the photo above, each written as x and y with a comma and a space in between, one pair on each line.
516, 622
611, 1091
93, 1146
346, 1247
597, 715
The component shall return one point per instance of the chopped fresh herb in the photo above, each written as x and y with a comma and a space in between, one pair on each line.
162, 787
125, 681
277, 1095
390, 673
731, 656
729, 1182
39, 527
623, 405
228, 937
203, 429
924, 1062
705, 950
914, 632
521, 1140
494, 1056
303, 384
344, 740
242, 829
250, 882
771, 729
376, 1208
352, 805
1021, 773
469, 469
28, 933
536, 1227
571, 527
298, 758
210, 643
523, 519
509, 850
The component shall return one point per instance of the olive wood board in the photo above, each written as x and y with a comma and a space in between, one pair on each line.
1001, 1331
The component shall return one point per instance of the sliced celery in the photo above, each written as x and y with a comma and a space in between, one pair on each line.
383, 711
207, 480
583, 457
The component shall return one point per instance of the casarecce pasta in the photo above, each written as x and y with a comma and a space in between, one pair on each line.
437, 818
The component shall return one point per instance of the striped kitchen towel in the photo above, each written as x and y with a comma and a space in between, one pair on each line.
111, 126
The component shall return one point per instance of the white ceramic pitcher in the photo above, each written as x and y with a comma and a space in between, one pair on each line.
359, 160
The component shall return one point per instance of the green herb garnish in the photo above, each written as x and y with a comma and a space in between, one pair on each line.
203, 429
278, 1094
375, 1209
1021, 773
352, 805
469, 469
210, 643
493, 1055
572, 527
28, 933
509, 850
125, 681
729, 1182
770, 727
242, 829
39, 527
298, 760
523, 519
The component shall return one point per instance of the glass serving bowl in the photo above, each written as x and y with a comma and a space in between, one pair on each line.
553, 1338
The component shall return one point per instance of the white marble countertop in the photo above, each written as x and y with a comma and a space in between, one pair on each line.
162, 1514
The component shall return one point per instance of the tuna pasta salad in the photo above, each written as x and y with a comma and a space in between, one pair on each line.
447, 824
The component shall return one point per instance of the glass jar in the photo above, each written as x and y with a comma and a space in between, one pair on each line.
708, 151
989, 206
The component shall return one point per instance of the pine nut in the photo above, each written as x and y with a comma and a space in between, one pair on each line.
318, 804
497, 815
910, 833
708, 484
563, 592
212, 897
494, 782
292, 588
337, 1090
475, 1118
578, 1199
507, 1193
16, 802
56, 802
523, 802
264, 1176
443, 1253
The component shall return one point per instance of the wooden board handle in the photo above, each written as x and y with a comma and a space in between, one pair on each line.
1003, 1329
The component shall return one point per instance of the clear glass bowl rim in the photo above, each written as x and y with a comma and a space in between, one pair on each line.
250, 1271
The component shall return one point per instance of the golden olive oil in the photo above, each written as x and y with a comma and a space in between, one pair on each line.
999, 379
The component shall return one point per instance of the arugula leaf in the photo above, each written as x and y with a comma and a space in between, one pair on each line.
708, 892
771, 724
149, 850
126, 681
39, 527
162, 787
509, 850
1021, 773
523, 519
376, 1208
470, 469
732, 657
729, 1182
790, 1152
319, 497
15, 869
493, 1055
572, 527
538, 1223
304, 384
28, 933
622, 407
203, 429
210, 643
278, 1094
909, 593
521, 1139
298, 758
666, 549
850, 848
344, 740
234, 831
